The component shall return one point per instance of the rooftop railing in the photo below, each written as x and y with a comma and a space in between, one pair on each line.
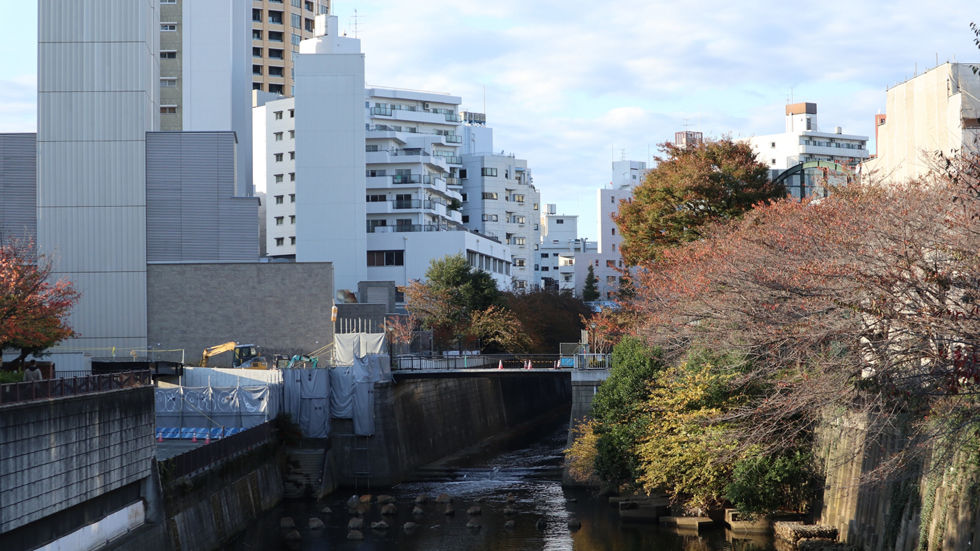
74, 386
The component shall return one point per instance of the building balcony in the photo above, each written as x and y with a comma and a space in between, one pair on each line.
409, 228
453, 181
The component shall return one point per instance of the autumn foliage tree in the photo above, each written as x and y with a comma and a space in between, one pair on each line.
549, 318
691, 188
33, 310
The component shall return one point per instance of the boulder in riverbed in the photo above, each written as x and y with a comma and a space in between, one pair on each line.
355, 535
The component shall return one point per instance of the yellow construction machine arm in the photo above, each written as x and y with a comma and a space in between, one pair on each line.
217, 349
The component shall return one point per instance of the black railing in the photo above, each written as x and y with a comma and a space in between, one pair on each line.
481, 361
74, 386
218, 451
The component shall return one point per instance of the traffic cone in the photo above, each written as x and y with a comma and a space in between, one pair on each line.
159, 436
557, 364
500, 364
207, 439
194, 437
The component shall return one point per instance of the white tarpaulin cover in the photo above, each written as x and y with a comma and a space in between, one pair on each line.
215, 411
347, 346
307, 394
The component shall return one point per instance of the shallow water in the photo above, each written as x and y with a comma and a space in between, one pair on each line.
528, 472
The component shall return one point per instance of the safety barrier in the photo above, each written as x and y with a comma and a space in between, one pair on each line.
477, 361
218, 450
57, 388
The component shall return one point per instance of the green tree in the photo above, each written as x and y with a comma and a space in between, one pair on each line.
589, 291
690, 188
451, 293
618, 409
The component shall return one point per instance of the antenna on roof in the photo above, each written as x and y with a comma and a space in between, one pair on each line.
355, 17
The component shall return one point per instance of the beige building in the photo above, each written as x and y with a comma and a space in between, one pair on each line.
935, 112
278, 26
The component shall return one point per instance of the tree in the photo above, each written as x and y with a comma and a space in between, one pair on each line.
33, 311
446, 300
549, 318
589, 290
689, 189
499, 330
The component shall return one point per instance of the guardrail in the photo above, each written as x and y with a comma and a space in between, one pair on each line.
475, 361
217, 451
57, 388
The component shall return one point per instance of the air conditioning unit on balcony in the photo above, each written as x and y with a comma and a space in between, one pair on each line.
425, 105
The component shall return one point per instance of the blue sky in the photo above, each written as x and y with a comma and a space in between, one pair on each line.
571, 85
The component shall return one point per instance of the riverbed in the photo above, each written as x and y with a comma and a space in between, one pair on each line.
519, 481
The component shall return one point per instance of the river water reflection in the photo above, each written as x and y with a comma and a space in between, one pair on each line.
528, 474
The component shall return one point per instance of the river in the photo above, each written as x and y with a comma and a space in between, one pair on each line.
524, 475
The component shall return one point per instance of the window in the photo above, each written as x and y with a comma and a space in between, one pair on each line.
256, 34
295, 39
280, 220
292, 134
292, 197
490, 218
613, 230
277, 115
274, 36
292, 155
168, 109
257, 15
464, 197
535, 206
256, 52
292, 176
308, 5
466, 219
278, 157
612, 199
279, 199
772, 145
168, 54
256, 69
278, 178
308, 24
323, 9
276, 53
296, 20
168, 27
613, 246
292, 239
519, 262
292, 219
376, 198
610, 280
168, 83
275, 71
297, 3
544, 268
462, 173
554, 255
279, 241
386, 258
292, 113
168, 1
489, 195
545, 255
275, 17
486, 171
610, 264
519, 198
808, 124
278, 136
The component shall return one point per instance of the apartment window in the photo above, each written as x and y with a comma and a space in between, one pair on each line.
168, 83
308, 5
279, 241
544, 268
276, 53
257, 15
256, 52
613, 246
519, 262
292, 219
774, 161
256, 86
323, 9
487, 171
559, 221
280, 220
168, 27
462, 173
296, 20
297, 3
168, 109
278, 178
490, 218
295, 39
308, 24
610, 264
376, 198
279, 199
292, 155
168, 54
168, 1
292, 113
278, 136
545, 255
275, 71
612, 198
275, 17
292, 134
386, 258
489, 194
256, 69
464, 197
535, 206
292, 239
275, 36
278, 157
292, 176
613, 230
610, 280
554, 255
277, 115
256, 34
276, 88
466, 219
292, 197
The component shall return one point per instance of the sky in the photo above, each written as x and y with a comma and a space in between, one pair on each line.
572, 85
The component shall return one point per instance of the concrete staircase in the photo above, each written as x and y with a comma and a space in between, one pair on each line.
304, 476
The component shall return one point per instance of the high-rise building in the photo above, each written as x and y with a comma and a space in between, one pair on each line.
91, 160
560, 246
803, 142
278, 27
935, 112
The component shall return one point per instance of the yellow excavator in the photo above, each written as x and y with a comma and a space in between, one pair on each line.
246, 355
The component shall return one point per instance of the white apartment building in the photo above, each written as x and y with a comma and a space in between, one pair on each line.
935, 112
368, 180
499, 199
560, 246
803, 142
607, 261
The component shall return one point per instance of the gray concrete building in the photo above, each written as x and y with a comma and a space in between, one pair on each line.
18, 176
171, 64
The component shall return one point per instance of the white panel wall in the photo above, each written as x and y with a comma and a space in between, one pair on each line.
330, 182
98, 84
217, 79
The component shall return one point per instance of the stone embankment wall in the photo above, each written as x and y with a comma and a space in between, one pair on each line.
422, 419
932, 508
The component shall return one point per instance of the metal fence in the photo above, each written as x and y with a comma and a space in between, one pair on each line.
593, 361
475, 361
56, 388
217, 451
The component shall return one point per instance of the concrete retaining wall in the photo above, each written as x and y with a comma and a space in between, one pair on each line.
62, 452
890, 515
422, 419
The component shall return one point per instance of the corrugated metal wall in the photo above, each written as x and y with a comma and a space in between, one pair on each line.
192, 214
18, 187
